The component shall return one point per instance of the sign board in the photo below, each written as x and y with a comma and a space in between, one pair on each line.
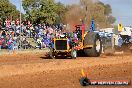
120, 27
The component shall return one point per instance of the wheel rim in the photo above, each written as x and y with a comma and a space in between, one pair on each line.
98, 45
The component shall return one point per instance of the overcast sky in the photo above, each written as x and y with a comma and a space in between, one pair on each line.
122, 9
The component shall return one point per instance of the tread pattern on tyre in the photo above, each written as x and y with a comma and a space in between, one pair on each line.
73, 55
90, 39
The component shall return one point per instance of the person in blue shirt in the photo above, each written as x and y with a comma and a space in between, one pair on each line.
14, 46
92, 28
120, 41
10, 45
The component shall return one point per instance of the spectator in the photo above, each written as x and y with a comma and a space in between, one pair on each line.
1, 42
10, 46
15, 47
25, 44
39, 44
3, 33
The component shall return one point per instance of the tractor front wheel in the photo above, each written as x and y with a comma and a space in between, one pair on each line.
51, 53
74, 53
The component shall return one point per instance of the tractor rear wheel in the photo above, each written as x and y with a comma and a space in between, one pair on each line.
93, 39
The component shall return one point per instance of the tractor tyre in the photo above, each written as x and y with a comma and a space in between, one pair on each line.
74, 53
93, 39
51, 53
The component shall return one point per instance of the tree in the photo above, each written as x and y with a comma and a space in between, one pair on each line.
8, 10
61, 10
108, 11
111, 19
107, 8
41, 11
89, 9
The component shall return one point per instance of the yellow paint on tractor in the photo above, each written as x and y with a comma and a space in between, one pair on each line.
88, 46
68, 47
82, 43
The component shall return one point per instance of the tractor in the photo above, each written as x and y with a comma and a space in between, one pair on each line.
123, 39
69, 44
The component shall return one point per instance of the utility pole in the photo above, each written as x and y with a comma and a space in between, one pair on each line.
20, 11
20, 23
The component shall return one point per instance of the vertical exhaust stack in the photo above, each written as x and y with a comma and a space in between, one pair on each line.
83, 30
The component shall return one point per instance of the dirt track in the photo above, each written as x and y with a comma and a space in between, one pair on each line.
33, 70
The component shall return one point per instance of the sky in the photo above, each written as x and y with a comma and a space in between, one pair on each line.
121, 9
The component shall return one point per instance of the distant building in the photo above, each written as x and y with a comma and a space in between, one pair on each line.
109, 30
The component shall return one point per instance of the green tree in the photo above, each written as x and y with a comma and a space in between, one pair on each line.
8, 10
41, 11
107, 12
61, 10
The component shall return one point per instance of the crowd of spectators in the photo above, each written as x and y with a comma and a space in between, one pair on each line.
15, 36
